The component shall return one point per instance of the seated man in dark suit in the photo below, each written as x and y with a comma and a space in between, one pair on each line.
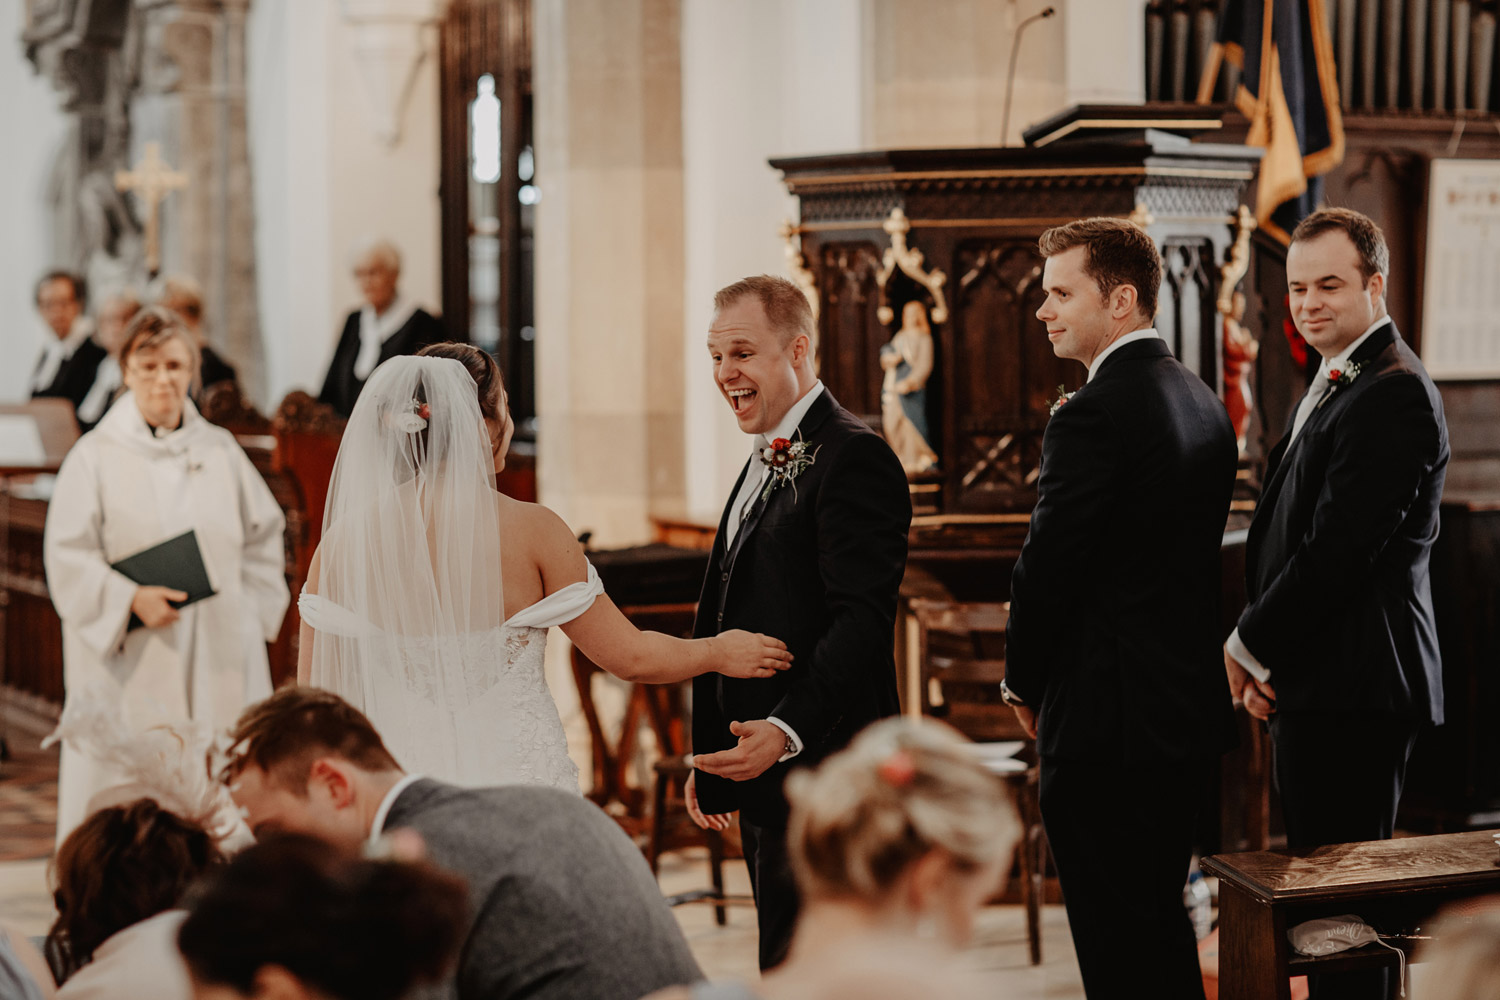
65, 369
564, 906
387, 326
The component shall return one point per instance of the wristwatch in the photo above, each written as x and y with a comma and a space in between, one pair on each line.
1010, 697
791, 746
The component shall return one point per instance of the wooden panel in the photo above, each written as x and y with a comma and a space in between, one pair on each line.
850, 335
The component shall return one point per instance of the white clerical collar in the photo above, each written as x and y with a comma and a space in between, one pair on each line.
1147, 334
793, 419
1341, 359
378, 825
80, 331
375, 330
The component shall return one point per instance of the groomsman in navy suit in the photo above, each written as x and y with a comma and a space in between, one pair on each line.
1112, 657
1338, 648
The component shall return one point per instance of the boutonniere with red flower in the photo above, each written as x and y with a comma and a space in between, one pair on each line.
1338, 378
787, 460
1063, 395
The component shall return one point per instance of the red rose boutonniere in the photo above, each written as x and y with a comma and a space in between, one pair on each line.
1338, 378
1062, 397
787, 460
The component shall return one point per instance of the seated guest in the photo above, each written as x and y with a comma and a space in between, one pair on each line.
299, 919
65, 368
114, 317
895, 843
184, 297
1463, 958
119, 879
564, 906
387, 326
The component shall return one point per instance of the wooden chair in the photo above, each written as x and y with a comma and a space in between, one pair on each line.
961, 658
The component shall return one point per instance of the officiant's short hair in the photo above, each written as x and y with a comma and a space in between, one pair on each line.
153, 326
1369, 241
1116, 252
786, 307
284, 734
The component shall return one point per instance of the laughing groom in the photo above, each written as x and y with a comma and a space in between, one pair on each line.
811, 549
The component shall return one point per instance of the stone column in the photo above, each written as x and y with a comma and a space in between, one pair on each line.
609, 263
1104, 52
191, 99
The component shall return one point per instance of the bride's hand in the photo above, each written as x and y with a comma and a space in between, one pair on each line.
750, 654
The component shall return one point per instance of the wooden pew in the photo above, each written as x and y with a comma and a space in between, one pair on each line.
1392, 885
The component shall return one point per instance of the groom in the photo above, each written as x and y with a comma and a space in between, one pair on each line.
811, 549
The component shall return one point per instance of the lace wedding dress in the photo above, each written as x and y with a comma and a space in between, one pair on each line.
514, 733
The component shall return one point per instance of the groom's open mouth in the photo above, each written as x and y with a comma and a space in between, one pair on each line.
741, 399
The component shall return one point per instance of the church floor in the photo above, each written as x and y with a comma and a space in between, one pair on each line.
28, 797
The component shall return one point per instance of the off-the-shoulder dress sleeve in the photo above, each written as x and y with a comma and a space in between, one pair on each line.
563, 606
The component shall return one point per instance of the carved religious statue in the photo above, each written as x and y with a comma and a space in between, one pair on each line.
907, 360
1240, 351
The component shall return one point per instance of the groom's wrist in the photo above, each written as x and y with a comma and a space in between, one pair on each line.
793, 741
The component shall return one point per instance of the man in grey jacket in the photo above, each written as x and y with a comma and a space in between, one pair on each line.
564, 905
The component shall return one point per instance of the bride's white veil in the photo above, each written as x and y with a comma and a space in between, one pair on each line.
409, 575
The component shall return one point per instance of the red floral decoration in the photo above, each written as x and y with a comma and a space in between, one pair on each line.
898, 769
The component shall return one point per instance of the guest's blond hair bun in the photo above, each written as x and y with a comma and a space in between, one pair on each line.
903, 788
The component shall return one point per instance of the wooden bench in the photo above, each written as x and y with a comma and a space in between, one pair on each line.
1392, 885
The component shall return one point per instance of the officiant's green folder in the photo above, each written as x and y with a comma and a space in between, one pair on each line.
176, 563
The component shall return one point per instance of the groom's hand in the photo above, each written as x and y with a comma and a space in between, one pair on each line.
761, 744
707, 821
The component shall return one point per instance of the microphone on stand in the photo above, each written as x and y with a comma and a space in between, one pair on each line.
1010, 76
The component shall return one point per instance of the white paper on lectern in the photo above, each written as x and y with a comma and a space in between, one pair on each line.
20, 442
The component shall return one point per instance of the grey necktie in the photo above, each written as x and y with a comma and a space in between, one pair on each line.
1315, 394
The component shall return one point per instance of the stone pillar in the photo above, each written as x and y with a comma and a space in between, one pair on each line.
609, 263
191, 99
1104, 52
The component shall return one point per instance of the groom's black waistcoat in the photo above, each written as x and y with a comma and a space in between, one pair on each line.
818, 567
1337, 559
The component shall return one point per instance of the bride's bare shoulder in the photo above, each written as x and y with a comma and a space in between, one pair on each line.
538, 525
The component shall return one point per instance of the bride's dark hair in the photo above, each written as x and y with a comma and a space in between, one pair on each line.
481, 367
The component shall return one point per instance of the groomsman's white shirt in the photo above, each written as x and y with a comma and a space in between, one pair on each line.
1315, 393
752, 486
1147, 334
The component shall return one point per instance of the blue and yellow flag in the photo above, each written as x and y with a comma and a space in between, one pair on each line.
1289, 91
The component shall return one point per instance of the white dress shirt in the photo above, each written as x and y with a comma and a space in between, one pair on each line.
1147, 334
55, 352
1315, 393
377, 826
376, 330
752, 486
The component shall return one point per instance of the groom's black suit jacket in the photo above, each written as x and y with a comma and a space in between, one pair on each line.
817, 567
1114, 626
1337, 577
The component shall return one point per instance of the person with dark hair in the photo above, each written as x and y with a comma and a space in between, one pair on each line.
1112, 644
562, 905
1337, 646
297, 918
429, 598
70, 357
812, 543
119, 879
150, 471
387, 326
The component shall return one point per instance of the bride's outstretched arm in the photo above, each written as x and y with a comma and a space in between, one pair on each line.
305, 634
608, 638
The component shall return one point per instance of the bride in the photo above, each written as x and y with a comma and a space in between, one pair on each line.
428, 601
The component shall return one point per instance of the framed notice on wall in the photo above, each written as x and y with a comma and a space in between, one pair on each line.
1461, 286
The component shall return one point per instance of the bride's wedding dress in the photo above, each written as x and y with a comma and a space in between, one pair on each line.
407, 607
515, 735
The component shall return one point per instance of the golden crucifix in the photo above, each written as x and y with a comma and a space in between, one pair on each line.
151, 181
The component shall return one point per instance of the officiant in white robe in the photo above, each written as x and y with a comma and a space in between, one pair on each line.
151, 470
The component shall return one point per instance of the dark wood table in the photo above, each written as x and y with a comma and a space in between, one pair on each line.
1393, 885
